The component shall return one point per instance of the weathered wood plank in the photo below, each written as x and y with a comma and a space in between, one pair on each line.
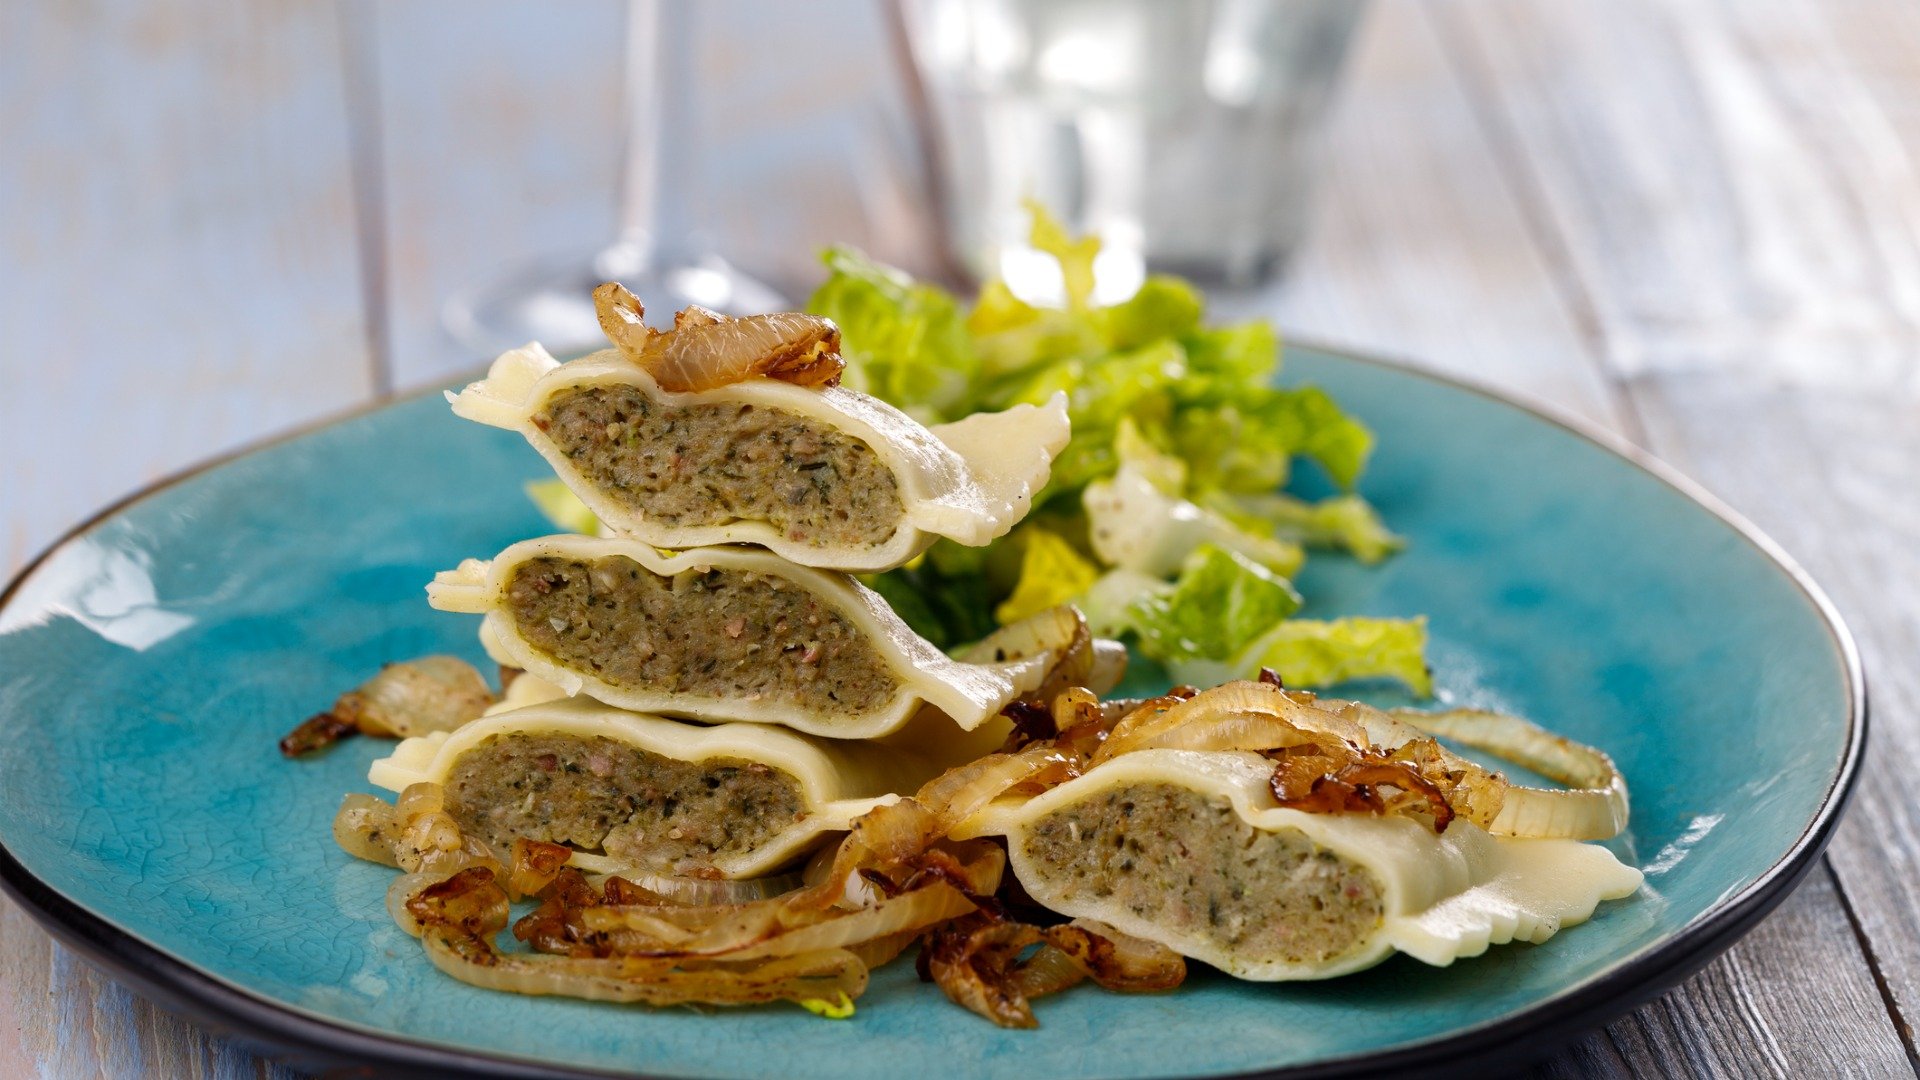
177, 276
1737, 211
1392, 181
82, 1023
1723, 184
177, 270
501, 138
1733, 1019
1419, 248
1832, 476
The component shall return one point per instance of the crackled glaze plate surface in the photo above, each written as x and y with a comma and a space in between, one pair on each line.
149, 662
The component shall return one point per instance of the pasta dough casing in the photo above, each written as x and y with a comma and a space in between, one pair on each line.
839, 780
969, 481
1441, 896
969, 694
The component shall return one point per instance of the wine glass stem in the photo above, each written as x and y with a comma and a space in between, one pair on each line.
655, 215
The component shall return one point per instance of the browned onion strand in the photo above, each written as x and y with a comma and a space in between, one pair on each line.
414, 697
316, 732
705, 349
823, 976
414, 834
534, 865
1594, 805
1048, 971
976, 961
693, 890
1117, 960
960, 793
892, 878
973, 961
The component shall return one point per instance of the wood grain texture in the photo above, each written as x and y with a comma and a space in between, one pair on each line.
1725, 187
177, 275
1419, 247
1765, 340
178, 245
1734, 1019
1414, 197
1853, 518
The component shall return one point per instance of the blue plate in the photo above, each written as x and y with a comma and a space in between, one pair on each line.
150, 660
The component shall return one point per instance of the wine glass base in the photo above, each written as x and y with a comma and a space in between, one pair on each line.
551, 300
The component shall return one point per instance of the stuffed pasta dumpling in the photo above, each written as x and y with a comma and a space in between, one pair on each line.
824, 476
634, 792
723, 633
1190, 849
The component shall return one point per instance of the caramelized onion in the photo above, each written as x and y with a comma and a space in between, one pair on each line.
1048, 971
535, 864
1234, 716
817, 976
912, 911
705, 350
1593, 807
365, 828
433, 693
1356, 787
958, 794
1116, 960
471, 900
1058, 630
973, 961
976, 962
689, 890
415, 834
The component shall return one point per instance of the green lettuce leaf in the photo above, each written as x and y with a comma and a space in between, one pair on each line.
1221, 601
1313, 427
948, 609
904, 342
1075, 255
1347, 522
1051, 573
1313, 653
1135, 525
1165, 307
1180, 442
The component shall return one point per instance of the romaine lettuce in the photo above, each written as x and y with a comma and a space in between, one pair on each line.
1220, 602
1162, 515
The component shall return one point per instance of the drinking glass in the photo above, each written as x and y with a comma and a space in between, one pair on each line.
1184, 132
661, 252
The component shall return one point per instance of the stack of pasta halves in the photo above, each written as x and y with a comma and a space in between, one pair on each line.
723, 770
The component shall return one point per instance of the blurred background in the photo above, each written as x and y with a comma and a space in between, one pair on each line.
1694, 223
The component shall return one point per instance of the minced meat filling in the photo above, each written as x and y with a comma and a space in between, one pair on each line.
711, 464
1187, 862
719, 633
596, 794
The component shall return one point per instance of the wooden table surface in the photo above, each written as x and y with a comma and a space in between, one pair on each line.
1697, 223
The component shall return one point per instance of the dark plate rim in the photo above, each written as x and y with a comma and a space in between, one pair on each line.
311, 1040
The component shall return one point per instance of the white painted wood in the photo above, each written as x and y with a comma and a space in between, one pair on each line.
177, 232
